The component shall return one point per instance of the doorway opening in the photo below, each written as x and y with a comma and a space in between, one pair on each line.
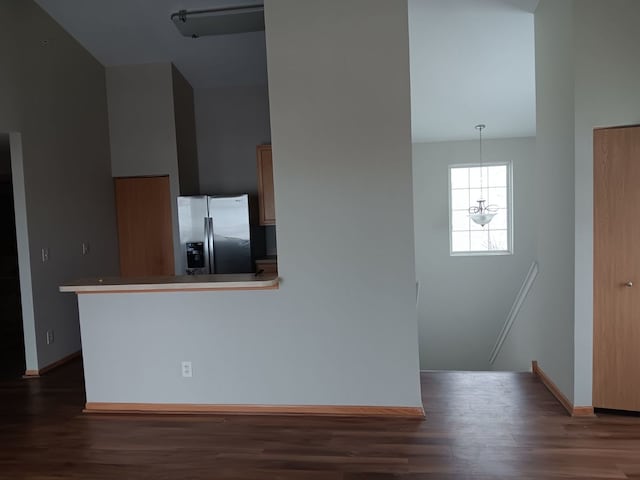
472, 64
12, 355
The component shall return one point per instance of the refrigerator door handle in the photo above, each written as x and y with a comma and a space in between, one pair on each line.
211, 245
207, 255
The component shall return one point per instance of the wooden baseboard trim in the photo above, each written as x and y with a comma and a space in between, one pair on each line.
580, 411
583, 412
51, 366
199, 409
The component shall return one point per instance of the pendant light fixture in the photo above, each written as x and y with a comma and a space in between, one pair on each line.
482, 214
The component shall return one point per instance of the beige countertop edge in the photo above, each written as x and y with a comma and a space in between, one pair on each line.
173, 284
266, 260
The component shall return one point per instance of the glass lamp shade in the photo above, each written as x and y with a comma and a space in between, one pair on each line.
482, 218
482, 214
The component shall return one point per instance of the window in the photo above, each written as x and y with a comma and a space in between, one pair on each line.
467, 237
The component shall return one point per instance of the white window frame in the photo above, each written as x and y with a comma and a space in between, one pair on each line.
510, 206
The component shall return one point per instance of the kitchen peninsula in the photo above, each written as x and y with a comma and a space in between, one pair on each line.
122, 318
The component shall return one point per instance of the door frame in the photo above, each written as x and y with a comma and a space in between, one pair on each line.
24, 257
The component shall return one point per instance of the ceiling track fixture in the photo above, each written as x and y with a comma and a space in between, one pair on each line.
219, 21
482, 214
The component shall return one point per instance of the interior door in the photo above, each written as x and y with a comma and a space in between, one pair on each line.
143, 206
616, 349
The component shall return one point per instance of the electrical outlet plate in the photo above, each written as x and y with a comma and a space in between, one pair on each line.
45, 255
50, 337
187, 370
85, 248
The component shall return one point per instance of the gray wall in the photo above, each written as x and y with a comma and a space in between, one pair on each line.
143, 129
230, 123
54, 94
186, 145
342, 327
465, 300
607, 93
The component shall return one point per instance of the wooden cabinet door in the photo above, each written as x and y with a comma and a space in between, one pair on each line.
616, 334
145, 238
265, 186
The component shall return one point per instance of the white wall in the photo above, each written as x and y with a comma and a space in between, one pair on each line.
142, 129
544, 328
342, 327
54, 95
465, 300
607, 93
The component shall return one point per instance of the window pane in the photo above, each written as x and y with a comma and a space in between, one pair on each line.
498, 176
497, 196
460, 220
476, 194
479, 241
498, 240
474, 177
460, 242
459, 178
499, 222
459, 199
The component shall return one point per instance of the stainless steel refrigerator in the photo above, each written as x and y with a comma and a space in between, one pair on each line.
214, 234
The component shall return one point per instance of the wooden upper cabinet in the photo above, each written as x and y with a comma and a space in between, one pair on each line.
143, 207
265, 186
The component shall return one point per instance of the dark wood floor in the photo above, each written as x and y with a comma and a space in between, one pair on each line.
478, 426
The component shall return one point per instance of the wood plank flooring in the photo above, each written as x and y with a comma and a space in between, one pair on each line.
479, 426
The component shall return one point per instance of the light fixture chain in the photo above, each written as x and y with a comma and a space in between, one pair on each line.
481, 194
481, 127
482, 213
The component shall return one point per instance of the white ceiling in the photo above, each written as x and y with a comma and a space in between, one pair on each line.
121, 32
472, 61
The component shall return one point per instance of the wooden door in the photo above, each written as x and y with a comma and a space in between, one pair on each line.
616, 335
266, 194
143, 206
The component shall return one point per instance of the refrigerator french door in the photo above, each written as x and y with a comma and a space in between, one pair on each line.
214, 234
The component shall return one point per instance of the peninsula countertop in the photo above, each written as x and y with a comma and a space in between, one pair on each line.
188, 283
